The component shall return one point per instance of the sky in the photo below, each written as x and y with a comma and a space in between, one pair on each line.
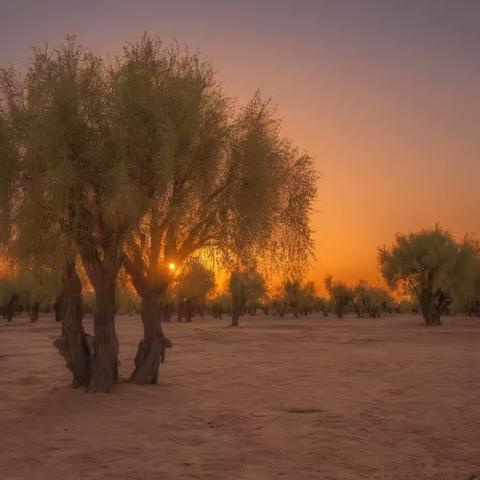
384, 94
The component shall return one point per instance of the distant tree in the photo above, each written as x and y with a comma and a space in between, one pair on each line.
8, 298
322, 305
299, 296
220, 304
194, 284
246, 287
431, 266
341, 296
466, 297
371, 301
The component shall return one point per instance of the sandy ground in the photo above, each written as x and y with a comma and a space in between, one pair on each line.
274, 399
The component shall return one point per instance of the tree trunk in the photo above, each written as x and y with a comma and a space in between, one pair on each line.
105, 370
431, 317
35, 312
152, 348
236, 311
433, 305
188, 309
74, 345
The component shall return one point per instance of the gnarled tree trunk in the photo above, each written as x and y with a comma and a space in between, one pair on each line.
152, 348
433, 305
105, 369
74, 345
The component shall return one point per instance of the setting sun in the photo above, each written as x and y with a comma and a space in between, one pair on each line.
172, 266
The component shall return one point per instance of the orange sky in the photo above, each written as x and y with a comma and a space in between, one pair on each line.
384, 94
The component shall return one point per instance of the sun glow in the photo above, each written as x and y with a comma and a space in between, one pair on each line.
172, 266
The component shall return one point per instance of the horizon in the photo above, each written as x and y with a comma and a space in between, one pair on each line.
385, 97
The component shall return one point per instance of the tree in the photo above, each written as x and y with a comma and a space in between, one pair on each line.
341, 296
246, 287
466, 296
220, 304
73, 160
298, 296
230, 184
371, 301
194, 284
431, 266
322, 305
143, 163
8, 298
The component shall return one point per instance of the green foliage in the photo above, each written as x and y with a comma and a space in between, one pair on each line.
341, 296
229, 183
371, 301
248, 287
431, 266
298, 296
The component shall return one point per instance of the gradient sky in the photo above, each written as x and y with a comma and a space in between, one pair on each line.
385, 95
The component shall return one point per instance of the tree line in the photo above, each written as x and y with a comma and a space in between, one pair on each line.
428, 272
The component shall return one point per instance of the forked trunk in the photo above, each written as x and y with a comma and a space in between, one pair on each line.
151, 349
74, 344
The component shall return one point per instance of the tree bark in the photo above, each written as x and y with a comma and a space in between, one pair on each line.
236, 311
74, 345
105, 370
433, 305
152, 348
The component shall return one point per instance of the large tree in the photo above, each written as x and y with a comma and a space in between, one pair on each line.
430, 265
74, 171
230, 184
143, 162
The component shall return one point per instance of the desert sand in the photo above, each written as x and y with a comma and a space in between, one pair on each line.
276, 398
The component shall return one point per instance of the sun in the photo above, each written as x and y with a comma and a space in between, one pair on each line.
172, 266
